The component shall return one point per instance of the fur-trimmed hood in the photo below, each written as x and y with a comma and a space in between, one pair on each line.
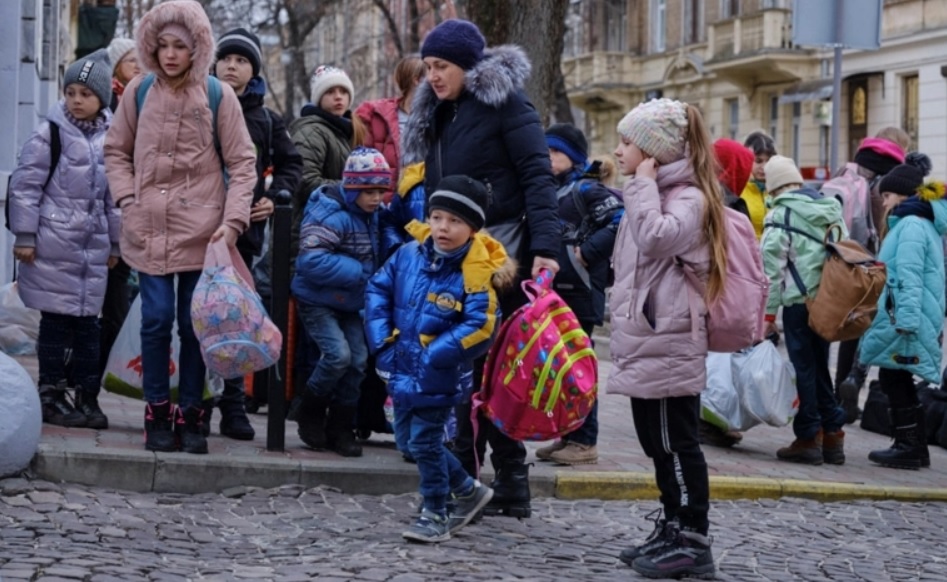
187, 13
503, 71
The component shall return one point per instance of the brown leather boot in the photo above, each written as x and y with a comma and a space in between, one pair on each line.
805, 451
833, 447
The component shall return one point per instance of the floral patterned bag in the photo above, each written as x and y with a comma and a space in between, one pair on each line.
236, 335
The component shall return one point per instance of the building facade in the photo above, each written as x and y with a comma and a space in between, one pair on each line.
736, 61
31, 65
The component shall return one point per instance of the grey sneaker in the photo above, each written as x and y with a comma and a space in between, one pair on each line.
429, 528
468, 506
545, 453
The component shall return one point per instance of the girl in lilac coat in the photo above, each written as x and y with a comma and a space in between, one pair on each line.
66, 229
673, 213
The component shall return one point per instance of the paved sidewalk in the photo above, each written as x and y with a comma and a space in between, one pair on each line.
116, 458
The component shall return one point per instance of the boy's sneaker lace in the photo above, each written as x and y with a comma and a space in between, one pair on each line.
663, 532
688, 554
466, 507
429, 528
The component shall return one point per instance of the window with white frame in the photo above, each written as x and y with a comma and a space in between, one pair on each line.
729, 9
692, 26
910, 107
658, 25
616, 23
732, 108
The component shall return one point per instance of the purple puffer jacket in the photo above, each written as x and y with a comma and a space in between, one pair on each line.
73, 223
659, 334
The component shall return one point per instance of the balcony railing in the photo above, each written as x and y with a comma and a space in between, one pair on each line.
748, 35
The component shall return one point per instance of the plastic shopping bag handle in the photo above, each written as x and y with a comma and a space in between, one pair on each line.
220, 255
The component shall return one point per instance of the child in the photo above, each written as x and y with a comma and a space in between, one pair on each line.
792, 260
124, 63
589, 214
903, 338
429, 312
239, 60
755, 195
165, 174
66, 229
338, 253
673, 212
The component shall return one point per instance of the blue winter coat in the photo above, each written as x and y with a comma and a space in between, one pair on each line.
338, 251
428, 317
72, 222
492, 133
904, 334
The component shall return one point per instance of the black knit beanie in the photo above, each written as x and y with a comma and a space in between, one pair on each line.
244, 43
903, 179
462, 196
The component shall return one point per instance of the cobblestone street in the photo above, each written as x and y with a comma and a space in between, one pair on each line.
56, 532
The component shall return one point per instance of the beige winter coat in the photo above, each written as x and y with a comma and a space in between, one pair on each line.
162, 167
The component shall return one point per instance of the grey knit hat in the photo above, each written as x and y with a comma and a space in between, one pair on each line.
95, 72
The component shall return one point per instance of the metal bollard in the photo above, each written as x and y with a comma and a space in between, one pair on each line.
276, 394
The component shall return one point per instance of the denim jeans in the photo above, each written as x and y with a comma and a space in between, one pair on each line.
340, 337
159, 304
809, 354
587, 434
441, 473
58, 332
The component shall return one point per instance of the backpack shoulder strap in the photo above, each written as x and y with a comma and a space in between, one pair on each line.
142, 91
55, 151
214, 95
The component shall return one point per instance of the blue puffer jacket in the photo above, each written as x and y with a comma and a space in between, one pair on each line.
427, 317
904, 333
338, 251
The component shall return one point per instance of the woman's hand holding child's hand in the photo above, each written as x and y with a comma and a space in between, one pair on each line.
228, 233
648, 168
24, 254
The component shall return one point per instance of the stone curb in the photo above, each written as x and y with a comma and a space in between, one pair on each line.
144, 471
635, 486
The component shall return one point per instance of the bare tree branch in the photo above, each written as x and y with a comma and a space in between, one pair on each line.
392, 25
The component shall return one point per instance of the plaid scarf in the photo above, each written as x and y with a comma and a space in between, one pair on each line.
86, 126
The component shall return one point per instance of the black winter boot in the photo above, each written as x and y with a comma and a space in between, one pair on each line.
207, 405
233, 414
909, 450
189, 427
340, 431
510, 491
848, 390
56, 407
159, 422
311, 418
88, 404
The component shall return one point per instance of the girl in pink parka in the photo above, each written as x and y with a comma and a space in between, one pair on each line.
165, 174
673, 213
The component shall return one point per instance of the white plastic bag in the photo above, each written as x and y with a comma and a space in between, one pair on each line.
19, 325
123, 370
766, 384
719, 402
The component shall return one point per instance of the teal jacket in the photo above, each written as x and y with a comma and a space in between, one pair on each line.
811, 213
904, 333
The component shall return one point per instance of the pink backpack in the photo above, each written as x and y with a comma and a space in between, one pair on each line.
236, 335
541, 376
735, 320
854, 192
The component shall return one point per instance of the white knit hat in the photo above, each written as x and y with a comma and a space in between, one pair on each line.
118, 48
781, 171
326, 77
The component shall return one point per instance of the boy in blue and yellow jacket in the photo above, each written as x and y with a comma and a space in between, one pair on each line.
338, 252
429, 312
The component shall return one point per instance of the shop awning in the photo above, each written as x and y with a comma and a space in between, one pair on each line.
807, 91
